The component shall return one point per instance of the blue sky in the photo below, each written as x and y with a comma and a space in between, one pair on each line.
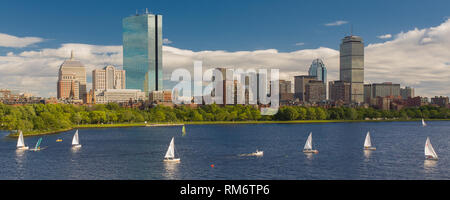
230, 25
37, 36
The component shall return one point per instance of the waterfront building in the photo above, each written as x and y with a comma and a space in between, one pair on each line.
315, 91
407, 92
352, 66
318, 70
339, 91
108, 78
142, 52
160, 96
440, 101
300, 86
71, 80
118, 96
386, 89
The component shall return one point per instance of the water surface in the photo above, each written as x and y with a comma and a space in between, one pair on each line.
137, 153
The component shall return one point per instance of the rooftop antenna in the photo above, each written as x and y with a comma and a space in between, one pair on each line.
146, 10
351, 29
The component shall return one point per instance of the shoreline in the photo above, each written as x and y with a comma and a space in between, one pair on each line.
89, 126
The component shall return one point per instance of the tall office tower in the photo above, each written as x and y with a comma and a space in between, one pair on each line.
108, 78
72, 80
352, 66
319, 70
142, 52
407, 92
300, 86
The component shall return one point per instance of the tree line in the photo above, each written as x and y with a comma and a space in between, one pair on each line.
51, 117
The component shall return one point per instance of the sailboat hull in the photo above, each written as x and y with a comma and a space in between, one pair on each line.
431, 158
370, 148
76, 146
172, 160
311, 151
258, 153
22, 148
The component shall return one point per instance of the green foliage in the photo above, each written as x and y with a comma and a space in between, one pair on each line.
54, 117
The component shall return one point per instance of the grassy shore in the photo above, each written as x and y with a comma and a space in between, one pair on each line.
84, 126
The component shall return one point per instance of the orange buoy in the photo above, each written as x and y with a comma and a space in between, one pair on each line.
212, 166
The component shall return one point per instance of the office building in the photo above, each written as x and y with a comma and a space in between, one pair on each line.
386, 89
440, 101
352, 66
315, 91
160, 96
339, 91
118, 96
318, 70
108, 78
142, 52
71, 80
407, 92
300, 86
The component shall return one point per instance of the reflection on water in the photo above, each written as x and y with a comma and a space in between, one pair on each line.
20, 156
75, 149
20, 160
309, 156
430, 166
367, 154
171, 170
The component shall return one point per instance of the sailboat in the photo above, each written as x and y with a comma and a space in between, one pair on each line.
184, 130
76, 140
258, 153
308, 146
20, 142
430, 154
170, 155
368, 143
38, 145
423, 123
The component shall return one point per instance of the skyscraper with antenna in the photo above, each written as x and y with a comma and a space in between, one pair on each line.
351, 66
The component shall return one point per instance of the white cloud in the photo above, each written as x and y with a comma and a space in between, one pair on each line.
167, 41
299, 44
387, 36
419, 58
337, 23
17, 42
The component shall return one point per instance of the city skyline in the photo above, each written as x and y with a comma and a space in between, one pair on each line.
415, 57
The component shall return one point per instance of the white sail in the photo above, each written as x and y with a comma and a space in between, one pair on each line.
368, 142
308, 145
75, 140
429, 150
20, 142
171, 151
423, 123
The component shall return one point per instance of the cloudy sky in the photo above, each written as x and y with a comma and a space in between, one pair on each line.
411, 48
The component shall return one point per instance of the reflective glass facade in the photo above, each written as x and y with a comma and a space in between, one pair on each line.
318, 70
142, 52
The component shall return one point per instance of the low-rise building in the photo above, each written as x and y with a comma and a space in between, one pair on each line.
118, 96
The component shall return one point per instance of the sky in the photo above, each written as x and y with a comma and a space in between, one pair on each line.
406, 41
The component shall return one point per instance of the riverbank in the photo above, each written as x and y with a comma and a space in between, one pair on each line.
88, 126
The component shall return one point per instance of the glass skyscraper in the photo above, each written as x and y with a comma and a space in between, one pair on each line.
318, 70
142, 52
